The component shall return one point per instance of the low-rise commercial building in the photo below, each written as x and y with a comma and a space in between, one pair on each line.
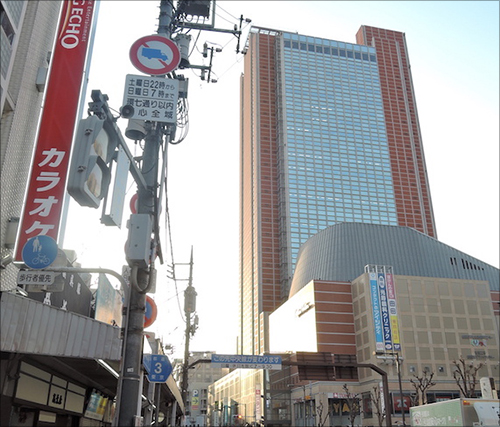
367, 299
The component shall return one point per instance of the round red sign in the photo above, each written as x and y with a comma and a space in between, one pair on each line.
151, 312
155, 55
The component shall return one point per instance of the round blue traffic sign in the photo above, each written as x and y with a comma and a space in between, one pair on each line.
39, 252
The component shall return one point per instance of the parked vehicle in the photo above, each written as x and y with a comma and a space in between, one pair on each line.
457, 412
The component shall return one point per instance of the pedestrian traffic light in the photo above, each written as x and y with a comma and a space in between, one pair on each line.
93, 150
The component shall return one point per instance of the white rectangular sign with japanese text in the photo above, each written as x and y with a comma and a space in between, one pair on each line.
152, 98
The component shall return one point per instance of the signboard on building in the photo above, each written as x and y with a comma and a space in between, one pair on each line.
70, 291
152, 98
195, 400
384, 308
108, 303
47, 183
246, 362
377, 318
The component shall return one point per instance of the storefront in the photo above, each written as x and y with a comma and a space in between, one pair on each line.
42, 397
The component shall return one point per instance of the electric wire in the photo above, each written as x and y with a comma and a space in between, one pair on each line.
224, 10
168, 227
221, 17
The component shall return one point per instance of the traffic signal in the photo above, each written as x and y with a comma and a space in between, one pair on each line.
89, 173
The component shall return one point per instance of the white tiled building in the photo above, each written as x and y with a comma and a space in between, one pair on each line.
27, 36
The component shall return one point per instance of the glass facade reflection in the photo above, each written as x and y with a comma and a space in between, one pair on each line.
337, 159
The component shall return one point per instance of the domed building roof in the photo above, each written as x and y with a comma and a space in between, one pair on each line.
340, 253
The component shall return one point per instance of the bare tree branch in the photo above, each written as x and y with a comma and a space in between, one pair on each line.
377, 405
421, 385
465, 375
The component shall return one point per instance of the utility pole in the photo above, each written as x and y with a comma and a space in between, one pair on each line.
189, 309
99, 143
141, 226
143, 239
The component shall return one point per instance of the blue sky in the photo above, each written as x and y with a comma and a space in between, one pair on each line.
453, 48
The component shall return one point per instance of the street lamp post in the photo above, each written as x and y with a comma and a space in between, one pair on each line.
397, 361
398, 369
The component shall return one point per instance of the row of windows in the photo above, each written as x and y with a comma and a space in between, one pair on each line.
332, 87
327, 50
322, 66
307, 99
323, 71
338, 172
385, 200
334, 212
327, 42
334, 107
330, 194
335, 209
352, 162
339, 134
354, 109
327, 73
325, 152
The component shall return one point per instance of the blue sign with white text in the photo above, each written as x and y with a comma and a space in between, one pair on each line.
39, 252
240, 361
157, 366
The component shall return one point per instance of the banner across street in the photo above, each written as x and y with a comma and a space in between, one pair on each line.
246, 362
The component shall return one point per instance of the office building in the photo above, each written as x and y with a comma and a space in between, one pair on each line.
329, 134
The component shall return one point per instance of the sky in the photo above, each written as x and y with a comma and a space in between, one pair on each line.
454, 55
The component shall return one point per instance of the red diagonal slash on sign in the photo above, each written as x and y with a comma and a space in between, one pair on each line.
159, 59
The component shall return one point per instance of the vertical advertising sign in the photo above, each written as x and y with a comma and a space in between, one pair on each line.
47, 183
393, 310
195, 400
377, 318
384, 311
258, 400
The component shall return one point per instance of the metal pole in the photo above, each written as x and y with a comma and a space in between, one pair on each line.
188, 310
157, 402
148, 412
130, 404
398, 367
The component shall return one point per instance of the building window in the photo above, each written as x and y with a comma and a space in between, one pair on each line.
6, 25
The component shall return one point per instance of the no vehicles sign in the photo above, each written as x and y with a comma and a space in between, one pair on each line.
156, 55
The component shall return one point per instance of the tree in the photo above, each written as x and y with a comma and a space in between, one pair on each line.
353, 403
421, 385
376, 397
320, 417
465, 375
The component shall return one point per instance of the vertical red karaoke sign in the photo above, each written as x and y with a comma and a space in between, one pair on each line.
47, 183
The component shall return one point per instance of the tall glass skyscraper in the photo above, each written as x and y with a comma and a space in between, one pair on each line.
329, 133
